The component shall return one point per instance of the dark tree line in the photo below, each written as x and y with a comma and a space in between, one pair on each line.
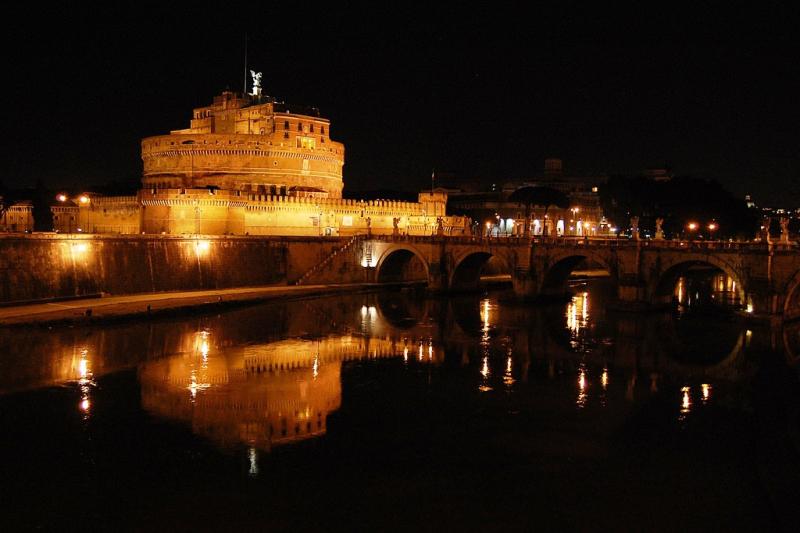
678, 201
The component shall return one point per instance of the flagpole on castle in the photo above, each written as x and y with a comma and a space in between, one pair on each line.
244, 89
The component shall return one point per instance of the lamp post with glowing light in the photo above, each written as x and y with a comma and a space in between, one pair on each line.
83, 202
62, 198
692, 227
575, 211
712, 227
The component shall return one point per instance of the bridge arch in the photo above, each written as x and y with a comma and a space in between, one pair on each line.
401, 263
467, 268
560, 267
791, 301
662, 286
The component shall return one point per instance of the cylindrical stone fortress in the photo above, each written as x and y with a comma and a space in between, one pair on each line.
251, 144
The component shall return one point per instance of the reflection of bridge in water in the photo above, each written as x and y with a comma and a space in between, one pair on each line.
766, 276
263, 376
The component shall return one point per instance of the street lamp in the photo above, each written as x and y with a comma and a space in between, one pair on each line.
712, 227
692, 226
575, 211
84, 201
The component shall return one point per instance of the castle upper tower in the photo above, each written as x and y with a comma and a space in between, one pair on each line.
250, 143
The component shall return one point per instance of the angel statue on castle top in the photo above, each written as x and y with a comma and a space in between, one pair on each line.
256, 83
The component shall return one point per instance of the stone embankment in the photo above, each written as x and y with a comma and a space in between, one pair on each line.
114, 308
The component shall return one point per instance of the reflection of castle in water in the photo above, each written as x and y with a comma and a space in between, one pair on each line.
230, 406
259, 395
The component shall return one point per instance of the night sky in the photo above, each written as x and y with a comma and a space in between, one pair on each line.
484, 94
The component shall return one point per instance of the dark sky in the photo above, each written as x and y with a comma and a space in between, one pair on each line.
482, 93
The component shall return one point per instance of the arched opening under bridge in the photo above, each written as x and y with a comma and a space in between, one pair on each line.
401, 265
791, 304
572, 267
478, 270
697, 284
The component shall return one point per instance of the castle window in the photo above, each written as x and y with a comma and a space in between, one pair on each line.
322, 130
285, 134
311, 128
286, 124
299, 126
305, 142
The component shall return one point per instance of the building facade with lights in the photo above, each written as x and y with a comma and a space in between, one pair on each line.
16, 217
494, 213
248, 143
250, 165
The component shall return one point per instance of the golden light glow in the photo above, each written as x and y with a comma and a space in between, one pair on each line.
83, 199
85, 382
686, 401
604, 378
692, 226
583, 384
712, 227
80, 247
202, 247
706, 388
485, 373
578, 314
508, 378
61, 197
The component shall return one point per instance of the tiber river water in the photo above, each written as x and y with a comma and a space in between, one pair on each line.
394, 411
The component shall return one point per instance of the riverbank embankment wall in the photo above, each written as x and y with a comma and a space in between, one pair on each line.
51, 266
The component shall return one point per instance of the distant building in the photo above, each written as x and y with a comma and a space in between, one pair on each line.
16, 217
658, 174
500, 216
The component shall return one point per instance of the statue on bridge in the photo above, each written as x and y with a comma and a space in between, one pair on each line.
635, 228
396, 226
659, 232
765, 229
439, 226
784, 230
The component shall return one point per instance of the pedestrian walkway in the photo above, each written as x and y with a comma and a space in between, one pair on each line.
97, 309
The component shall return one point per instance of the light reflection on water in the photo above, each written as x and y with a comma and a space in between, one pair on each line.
268, 376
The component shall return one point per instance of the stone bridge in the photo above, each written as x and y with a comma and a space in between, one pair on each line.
765, 276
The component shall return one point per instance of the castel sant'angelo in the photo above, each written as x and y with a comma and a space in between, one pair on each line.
250, 165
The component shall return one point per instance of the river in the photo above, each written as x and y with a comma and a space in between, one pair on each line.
394, 410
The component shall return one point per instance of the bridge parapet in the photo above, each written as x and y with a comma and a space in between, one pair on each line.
766, 275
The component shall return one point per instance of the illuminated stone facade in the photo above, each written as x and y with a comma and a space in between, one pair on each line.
17, 217
249, 165
251, 144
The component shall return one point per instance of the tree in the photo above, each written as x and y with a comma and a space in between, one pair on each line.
541, 196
